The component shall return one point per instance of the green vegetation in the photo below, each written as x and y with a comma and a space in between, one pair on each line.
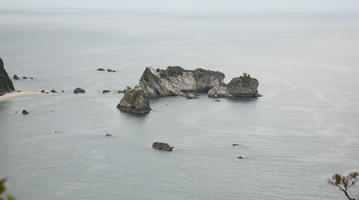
171, 71
199, 72
344, 183
132, 96
245, 78
2, 191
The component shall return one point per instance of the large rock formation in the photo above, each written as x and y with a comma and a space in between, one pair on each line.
176, 81
6, 84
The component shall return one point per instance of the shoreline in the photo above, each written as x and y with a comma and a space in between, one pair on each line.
18, 94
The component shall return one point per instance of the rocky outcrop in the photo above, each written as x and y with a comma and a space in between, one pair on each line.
6, 84
162, 146
243, 86
135, 101
79, 90
176, 81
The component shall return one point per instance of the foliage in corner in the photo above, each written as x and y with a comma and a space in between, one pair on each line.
344, 183
2, 191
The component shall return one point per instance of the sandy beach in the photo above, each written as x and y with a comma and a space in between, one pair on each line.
18, 94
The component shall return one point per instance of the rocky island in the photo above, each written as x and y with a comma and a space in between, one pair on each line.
6, 84
176, 81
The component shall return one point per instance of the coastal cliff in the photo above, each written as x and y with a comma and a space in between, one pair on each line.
6, 84
176, 81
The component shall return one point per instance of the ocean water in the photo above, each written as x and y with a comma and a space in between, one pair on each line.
303, 129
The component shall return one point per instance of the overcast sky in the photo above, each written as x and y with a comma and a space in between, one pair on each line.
202, 5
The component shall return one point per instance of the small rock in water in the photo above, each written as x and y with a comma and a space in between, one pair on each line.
25, 112
120, 91
162, 146
43, 91
110, 70
53, 91
24, 77
108, 135
106, 91
32, 78
62, 91
100, 69
241, 157
79, 90
235, 145
191, 96
217, 100
16, 77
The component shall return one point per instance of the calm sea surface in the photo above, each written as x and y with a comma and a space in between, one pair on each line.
303, 129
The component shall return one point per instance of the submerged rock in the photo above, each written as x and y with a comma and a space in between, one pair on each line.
134, 101
162, 146
53, 91
25, 112
79, 90
111, 70
6, 84
108, 135
106, 91
100, 69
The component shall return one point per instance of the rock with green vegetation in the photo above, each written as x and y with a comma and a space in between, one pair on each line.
6, 84
134, 101
243, 86
176, 81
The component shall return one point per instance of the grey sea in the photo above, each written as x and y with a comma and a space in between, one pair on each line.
302, 131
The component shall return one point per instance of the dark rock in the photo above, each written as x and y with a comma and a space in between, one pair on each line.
111, 70
53, 91
120, 91
106, 91
241, 157
134, 101
108, 135
79, 90
32, 78
235, 145
217, 100
243, 86
25, 112
24, 77
162, 146
6, 84
43, 91
62, 91
16, 77
100, 69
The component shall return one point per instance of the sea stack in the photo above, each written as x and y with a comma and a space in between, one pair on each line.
176, 81
6, 84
